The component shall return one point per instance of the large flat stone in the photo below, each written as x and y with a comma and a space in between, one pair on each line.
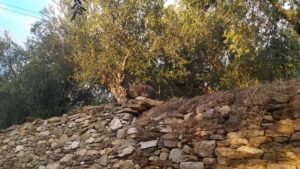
148, 144
239, 141
126, 151
53, 166
250, 151
66, 158
281, 166
205, 148
127, 164
170, 143
73, 145
285, 127
191, 165
176, 155
115, 124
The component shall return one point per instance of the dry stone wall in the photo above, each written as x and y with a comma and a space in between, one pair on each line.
255, 128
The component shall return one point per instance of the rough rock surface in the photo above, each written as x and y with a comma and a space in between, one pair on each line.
253, 128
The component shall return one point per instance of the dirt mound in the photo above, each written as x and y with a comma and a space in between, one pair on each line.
255, 97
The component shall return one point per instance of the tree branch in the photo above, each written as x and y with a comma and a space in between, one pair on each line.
290, 17
121, 73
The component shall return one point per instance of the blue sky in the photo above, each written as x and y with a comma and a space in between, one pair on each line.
16, 24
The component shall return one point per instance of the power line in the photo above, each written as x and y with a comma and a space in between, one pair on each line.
18, 12
13, 6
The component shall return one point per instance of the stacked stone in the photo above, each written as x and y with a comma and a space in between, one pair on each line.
79, 139
246, 129
261, 133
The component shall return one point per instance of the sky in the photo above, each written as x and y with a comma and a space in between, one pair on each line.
17, 16
14, 17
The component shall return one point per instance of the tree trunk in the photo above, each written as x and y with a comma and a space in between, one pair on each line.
120, 93
118, 89
116, 84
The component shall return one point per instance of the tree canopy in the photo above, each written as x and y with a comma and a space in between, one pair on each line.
87, 51
184, 47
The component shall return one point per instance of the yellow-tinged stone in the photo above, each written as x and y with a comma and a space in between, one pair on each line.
223, 161
239, 134
257, 141
256, 133
250, 164
296, 150
239, 141
297, 124
285, 127
227, 153
292, 157
281, 166
221, 166
249, 151
256, 166
223, 152
272, 133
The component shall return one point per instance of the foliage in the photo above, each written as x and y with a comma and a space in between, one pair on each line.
11, 62
125, 43
36, 81
187, 49
223, 44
